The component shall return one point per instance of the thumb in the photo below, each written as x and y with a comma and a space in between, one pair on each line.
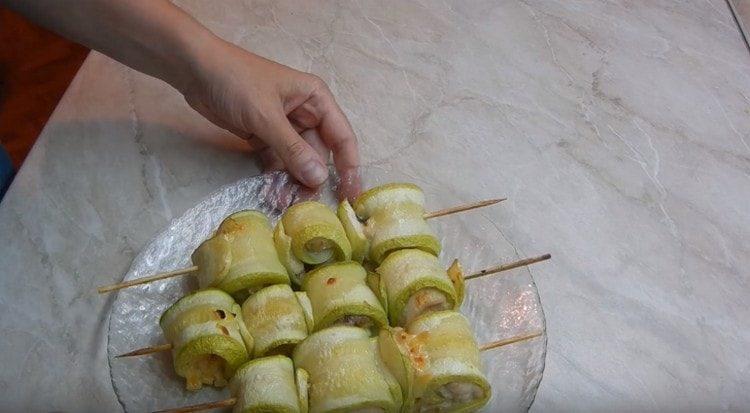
302, 161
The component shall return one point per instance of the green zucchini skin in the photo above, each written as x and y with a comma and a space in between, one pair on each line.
346, 372
453, 357
204, 329
339, 290
317, 235
240, 257
405, 273
283, 242
266, 385
397, 358
199, 306
394, 219
355, 231
275, 318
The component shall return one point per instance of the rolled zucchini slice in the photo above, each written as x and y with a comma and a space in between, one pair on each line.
394, 216
415, 284
266, 385
275, 319
377, 285
317, 235
209, 352
306, 305
283, 243
346, 373
196, 308
339, 294
401, 361
456, 274
241, 257
303, 384
385, 196
452, 379
355, 231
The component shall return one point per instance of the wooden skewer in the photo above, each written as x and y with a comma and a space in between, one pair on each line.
231, 401
507, 341
461, 208
147, 350
203, 406
145, 280
526, 261
177, 273
508, 266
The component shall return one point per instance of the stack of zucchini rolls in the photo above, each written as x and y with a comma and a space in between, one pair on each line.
292, 320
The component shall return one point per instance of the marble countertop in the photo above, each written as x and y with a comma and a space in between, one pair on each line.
618, 130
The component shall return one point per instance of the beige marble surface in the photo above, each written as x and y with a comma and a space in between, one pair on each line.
618, 129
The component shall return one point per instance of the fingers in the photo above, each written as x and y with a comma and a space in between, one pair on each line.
336, 131
270, 161
338, 135
302, 161
255, 143
312, 137
349, 185
321, 112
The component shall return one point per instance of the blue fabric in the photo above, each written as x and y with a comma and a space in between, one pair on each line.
6, 172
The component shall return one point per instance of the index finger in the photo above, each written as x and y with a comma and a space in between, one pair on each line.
338, 135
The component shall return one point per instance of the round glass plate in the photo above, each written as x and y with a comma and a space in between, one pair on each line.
498, 306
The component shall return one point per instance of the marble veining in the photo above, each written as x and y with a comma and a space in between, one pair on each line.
618, 130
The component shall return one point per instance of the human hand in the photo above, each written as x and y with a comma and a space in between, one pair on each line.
290, 117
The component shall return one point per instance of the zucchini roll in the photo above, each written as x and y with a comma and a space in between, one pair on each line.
310, 233
346, 373
209, 340
240, 258
394, 219
276, 318
451, 377
416, 284
339, 294
269, 385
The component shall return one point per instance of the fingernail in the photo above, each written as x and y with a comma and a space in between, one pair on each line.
314, 173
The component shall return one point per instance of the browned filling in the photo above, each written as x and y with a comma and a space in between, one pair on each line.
207, 369
413, 347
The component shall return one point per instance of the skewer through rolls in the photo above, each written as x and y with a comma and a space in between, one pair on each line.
387, 218
346, 372
209, 340
240, 258
210, 335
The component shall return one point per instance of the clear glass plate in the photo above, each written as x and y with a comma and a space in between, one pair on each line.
498, 306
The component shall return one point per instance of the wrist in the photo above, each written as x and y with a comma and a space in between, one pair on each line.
195, 45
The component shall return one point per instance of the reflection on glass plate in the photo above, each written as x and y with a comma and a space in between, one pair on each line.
499, 306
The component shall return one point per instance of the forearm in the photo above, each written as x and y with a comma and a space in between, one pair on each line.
151, 36
292, 116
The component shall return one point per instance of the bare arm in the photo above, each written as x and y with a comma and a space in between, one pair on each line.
288, 115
